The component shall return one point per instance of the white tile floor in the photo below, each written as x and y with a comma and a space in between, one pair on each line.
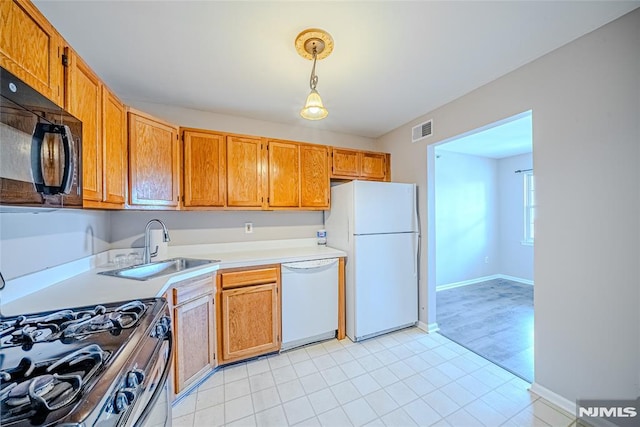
405, 378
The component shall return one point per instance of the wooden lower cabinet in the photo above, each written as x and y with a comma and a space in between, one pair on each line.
249, 310
193, 331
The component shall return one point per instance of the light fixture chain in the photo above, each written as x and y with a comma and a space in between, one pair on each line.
313, 80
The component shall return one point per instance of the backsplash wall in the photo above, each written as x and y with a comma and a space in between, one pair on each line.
200, 227
36, 239
33, 240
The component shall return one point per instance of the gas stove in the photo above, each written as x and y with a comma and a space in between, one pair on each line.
104, 364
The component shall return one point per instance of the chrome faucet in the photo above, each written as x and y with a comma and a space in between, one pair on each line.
147, 250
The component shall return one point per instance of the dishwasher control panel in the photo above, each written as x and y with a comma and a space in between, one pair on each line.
303, 265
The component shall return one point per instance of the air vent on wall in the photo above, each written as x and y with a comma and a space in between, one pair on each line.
422, 131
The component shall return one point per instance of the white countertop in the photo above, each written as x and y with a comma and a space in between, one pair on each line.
88, 288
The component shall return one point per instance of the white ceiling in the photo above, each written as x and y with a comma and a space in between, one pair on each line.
509, 137
392, 62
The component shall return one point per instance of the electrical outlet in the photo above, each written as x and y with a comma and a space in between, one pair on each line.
248, 227
486, 260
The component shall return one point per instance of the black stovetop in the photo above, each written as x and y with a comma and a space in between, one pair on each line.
52, 363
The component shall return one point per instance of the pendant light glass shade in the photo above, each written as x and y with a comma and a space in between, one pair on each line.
314, 109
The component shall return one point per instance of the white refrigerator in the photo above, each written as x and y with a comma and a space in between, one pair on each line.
376, 223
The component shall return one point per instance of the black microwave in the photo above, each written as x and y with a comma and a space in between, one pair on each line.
40, 149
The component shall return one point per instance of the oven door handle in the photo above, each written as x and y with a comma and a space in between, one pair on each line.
161, 385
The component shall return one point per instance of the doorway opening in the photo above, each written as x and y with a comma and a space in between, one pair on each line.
482, 195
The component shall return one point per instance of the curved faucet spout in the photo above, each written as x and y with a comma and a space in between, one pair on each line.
147, 250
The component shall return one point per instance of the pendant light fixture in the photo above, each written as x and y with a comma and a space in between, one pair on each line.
314, 44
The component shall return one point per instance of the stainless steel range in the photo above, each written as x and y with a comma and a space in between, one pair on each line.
105, 365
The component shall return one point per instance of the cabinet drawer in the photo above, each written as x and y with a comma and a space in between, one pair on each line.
258, 276
192, 288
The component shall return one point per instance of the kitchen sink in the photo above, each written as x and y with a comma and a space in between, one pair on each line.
157, 269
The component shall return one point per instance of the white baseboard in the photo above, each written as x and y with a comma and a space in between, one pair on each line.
483, 279
516, 279
466, 282
561, 402
428, 328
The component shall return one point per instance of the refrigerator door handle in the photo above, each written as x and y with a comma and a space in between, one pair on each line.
348, 234
416, 260
418, 257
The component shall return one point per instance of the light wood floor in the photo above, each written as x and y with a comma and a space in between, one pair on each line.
493, 319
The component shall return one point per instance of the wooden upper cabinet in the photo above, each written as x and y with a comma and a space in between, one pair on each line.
204, 168
314, 176
245, 172
154, 162
346, 163
373, 166
357, 164
83, 99
31, 48
114, 134
284, 174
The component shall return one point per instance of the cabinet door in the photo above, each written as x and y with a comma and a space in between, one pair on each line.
284, 174
204, 169
114, 165
345, 163
244, 172
250, 321
31, 48
374, 166
154, 162
84, 100
194, 340
314, 176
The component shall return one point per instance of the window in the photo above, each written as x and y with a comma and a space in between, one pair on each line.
529, 208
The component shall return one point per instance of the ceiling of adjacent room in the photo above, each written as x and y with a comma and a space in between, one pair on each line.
509, 137
392, 61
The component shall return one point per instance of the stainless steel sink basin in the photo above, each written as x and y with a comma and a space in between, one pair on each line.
157, 269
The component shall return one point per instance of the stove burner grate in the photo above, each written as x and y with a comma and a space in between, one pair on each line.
65, 324
30, 390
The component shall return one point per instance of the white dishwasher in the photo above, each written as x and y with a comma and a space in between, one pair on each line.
309, 301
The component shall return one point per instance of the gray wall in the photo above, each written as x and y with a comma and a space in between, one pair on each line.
479, 217
467, 232
585, 99
515, 259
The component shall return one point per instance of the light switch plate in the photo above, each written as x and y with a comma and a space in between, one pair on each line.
248, 227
